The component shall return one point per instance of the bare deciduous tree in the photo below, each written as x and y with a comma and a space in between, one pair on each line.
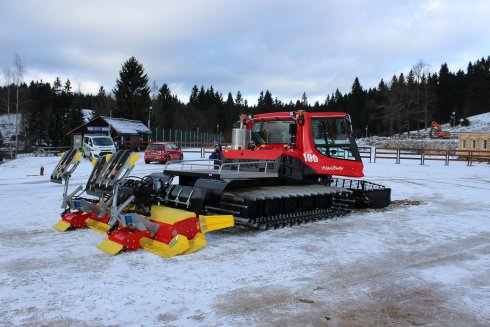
421, 70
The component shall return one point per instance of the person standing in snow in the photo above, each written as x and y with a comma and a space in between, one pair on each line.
218, 152
217, 155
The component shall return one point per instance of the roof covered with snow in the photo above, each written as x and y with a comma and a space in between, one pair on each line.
120, 125
126, 126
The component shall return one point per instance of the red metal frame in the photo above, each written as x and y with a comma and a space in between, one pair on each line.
130, 238
77, 219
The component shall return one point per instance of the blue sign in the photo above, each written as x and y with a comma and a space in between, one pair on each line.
97, 128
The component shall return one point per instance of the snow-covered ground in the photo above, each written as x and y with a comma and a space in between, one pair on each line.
478, 123
410, 264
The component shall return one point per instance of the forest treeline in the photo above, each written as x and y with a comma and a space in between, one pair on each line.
409, 101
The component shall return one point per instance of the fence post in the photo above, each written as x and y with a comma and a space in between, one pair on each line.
470, 160
422, 157
375, 154
397, 156
447, 157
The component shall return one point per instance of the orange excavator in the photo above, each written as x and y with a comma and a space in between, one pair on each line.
435, 131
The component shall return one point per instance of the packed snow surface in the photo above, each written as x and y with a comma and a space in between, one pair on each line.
425, 260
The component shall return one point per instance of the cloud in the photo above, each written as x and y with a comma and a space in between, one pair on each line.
286, 47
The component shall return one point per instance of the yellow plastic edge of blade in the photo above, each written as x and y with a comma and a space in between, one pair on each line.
197, 243
110, 247
62, 226
97, 226
133, 158
78, 155
211, 223
178, 245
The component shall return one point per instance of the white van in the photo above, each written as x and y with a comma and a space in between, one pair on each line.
97, 146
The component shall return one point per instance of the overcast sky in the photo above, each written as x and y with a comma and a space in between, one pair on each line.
286, 47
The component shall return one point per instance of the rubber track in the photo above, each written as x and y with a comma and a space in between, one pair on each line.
337, 203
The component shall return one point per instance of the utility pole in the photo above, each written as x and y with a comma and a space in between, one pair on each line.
149, 115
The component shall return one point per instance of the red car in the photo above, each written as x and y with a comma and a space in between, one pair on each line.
162, 152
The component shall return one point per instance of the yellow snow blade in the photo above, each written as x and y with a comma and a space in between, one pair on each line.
133, 158
62, 226
78, 155
210, 223
110, 247
170, 215
178, 245
97, 226
197, 243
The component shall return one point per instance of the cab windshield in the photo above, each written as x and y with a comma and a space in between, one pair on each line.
332, 137
271, 132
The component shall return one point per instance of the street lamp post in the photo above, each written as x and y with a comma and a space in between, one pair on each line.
453, 117
149, 115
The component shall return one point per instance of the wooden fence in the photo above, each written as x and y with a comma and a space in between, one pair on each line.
370, 153
423, 155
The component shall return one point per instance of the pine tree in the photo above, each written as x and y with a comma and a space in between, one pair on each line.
164, 111
355, 107
265, 102
101, 104
304, 101
74, 113
445, 90
193, 96
132, 92
239, 99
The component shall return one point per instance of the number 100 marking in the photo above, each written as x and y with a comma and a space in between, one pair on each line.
309, 157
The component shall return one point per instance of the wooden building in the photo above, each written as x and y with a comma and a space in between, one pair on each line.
475, 141
127, 134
